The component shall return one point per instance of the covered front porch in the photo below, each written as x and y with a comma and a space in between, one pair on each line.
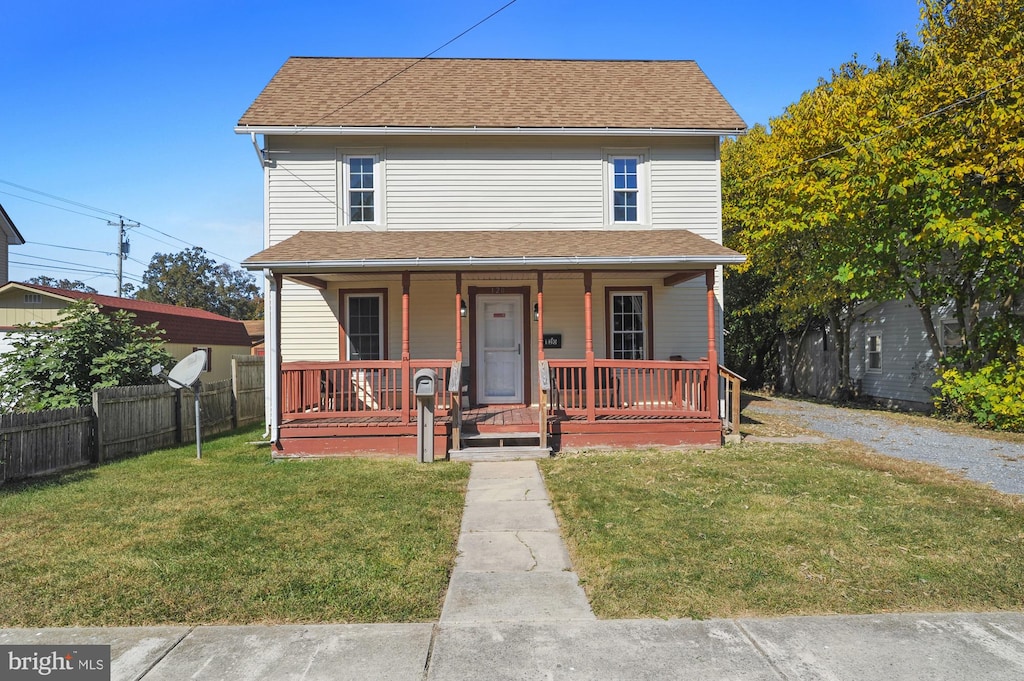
546, 351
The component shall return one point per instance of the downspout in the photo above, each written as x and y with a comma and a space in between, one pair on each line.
260, 153
272, 360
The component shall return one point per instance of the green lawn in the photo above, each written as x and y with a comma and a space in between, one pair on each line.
782, 529
234, 538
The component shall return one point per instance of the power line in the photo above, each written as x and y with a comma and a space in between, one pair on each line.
70, 248
883, 133
107, 212
401, 71
171, 236
60, 198
50, 205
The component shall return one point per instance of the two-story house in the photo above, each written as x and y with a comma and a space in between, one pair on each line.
545, 234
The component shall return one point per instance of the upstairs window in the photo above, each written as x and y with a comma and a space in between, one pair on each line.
362, 185
625, 188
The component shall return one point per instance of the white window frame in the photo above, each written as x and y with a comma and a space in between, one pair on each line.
877, 352
957, 337
381, 310
645, 313
641, 157
346, 190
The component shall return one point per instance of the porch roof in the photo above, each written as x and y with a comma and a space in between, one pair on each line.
312, 252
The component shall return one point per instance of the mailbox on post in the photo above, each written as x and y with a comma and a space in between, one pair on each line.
424, 384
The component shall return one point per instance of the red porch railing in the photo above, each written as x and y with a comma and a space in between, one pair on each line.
361, 388
630, 387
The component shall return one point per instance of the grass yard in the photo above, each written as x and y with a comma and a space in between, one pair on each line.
234, 538
780, 529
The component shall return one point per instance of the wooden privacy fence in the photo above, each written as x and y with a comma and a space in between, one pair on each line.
126, 421
45, 442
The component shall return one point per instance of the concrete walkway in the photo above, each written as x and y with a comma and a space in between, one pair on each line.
515, 610
512, 564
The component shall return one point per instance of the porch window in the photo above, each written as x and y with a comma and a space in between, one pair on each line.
362, 184
629, 331
874, 353
364, 326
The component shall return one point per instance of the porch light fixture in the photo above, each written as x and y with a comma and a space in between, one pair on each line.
463, 309
536, 312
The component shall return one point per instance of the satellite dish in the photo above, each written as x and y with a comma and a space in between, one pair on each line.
185, 372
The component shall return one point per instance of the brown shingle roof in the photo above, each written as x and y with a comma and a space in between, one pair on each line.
491, 93
314, 251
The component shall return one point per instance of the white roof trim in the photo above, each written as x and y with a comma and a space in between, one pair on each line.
430, 130
518, 261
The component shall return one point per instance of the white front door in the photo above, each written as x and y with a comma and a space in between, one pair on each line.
499, 349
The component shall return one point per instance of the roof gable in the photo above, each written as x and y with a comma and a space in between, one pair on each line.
492, 93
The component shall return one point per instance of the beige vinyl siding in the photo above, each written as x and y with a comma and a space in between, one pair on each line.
494, 187
431, 321
686, 189
490, 183
309, 323
301, 193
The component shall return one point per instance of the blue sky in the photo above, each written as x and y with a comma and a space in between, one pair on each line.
130, 106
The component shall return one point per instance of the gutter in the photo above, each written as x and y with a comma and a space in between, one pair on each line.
386, 130
517, 261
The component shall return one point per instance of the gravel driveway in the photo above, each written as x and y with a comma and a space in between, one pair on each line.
997, 463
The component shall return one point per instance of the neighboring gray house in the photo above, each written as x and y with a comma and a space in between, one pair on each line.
891, 359
10, 237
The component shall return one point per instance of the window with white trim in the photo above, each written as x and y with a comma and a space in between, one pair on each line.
627, 319
362, 189
626, 188
364, 326
874, 353
952, 334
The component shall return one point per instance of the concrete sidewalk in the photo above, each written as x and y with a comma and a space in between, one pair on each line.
515, 610
870, 647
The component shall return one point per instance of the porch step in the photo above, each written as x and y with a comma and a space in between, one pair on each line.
499, 453
499, 436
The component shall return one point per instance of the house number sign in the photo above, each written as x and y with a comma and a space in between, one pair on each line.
552, 340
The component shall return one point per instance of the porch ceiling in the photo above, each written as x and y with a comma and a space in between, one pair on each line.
347, 251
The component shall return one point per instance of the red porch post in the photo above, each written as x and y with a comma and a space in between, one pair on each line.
709, 279
406, 369
458, 317
588, 321
540, 316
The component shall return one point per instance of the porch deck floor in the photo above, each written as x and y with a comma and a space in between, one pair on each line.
500, 415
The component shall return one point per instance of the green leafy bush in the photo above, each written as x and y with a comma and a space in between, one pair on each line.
992, 396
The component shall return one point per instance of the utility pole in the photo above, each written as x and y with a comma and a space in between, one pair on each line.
123, 246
